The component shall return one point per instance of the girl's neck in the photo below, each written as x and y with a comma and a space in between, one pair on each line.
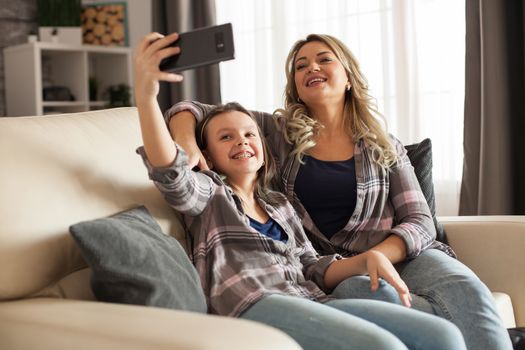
244, 188
250, 205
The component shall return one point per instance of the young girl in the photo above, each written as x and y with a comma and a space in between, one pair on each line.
248, 244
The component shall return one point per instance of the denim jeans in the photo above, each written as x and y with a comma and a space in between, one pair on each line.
355, 324
443, 286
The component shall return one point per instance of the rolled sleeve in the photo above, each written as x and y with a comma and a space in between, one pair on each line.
317, 270
272, 128
199, 110
186, 191
413, 221
314, 266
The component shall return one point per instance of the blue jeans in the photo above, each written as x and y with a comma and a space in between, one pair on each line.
443, 286
355, 324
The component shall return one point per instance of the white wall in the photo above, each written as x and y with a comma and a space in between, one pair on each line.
139, 18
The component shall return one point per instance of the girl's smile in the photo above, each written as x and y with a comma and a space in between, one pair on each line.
234, 146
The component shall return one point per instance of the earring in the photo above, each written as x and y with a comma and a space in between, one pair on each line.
348, 86
299, 100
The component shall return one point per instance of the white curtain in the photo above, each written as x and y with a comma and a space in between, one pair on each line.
412, 52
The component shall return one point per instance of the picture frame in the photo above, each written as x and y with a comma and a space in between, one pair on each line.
105, 24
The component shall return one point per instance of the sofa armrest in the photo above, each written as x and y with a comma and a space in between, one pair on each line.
45, 323
493, 247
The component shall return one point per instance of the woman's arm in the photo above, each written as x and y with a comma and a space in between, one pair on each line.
375, 264
414, 229
182, 130
183, 117
393, 248
328, 271
200, 111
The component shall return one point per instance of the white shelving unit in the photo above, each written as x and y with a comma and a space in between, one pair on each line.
28, 65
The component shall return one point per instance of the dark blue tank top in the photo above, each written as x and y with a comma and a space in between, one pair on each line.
328, 192
270, 229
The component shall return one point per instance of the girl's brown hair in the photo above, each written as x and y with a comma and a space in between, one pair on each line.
361, 117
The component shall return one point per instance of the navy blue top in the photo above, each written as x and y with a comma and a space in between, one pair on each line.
270, 229
328, 192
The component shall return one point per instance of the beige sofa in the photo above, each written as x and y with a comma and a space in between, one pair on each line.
63, 169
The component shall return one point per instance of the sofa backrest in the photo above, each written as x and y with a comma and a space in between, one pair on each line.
56, 171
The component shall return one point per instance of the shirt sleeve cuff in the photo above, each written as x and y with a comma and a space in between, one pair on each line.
413, 247
180, 107
168, 174
320, 269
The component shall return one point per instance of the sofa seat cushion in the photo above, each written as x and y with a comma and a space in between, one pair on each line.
49, 324
133, 262
505, 310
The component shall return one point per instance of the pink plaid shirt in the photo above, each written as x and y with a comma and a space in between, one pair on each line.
388, 202
238, 265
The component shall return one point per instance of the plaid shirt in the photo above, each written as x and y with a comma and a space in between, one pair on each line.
238, 265
388, 202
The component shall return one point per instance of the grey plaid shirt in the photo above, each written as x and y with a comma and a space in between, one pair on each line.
238, 265
388, 202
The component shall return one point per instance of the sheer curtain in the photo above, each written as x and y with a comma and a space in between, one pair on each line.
412, 52
201, 84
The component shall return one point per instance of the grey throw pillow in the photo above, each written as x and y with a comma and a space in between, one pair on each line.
133, 262
420, 155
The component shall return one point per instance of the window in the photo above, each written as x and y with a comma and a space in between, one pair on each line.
411, 51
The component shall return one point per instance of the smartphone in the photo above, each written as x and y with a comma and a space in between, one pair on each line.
201, 47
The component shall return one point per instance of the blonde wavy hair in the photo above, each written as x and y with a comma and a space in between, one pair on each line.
361, 117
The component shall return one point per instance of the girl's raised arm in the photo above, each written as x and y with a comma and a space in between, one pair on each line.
158, 143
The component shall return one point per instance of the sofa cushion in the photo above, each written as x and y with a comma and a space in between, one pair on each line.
505, 310
133, 262
420, 155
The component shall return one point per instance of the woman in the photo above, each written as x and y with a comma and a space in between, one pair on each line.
355, 190
249, 247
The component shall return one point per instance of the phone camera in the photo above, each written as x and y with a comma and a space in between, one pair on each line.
219, 42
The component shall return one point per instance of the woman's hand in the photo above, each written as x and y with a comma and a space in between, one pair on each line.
152, 49
373, 262
195, 157
378, 265
182, 127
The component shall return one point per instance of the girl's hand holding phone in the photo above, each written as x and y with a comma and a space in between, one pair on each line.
152, 49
